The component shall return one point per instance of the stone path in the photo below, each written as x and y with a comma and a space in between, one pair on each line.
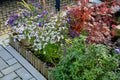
14, 67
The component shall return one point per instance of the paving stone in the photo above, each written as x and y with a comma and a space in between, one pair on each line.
24, 74
2, 64
11, 61
10, 76
32, 79
1, 48
5, 55
1, 74
11, 68
18, 79
25, 63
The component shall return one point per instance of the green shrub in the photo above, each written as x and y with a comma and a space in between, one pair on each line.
87, 62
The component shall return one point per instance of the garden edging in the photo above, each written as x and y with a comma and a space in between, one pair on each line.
29, 56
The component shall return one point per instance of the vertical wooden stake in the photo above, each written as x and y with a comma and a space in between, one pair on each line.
44, 3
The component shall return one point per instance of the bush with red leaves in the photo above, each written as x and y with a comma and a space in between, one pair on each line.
96, 21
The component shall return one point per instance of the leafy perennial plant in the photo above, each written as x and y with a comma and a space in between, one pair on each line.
94, 20
87, 62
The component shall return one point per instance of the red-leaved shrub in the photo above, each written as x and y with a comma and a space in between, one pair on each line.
95, 21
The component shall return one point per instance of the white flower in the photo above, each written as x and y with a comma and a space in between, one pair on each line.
53, 37
21, 37
36, 49
47, 39
6, 22
35, 44
39, 46
44, 45
62, 36
52, 41
29, 37
43, 39
61, 44
44, 52
15, 37
60, 28
58, 38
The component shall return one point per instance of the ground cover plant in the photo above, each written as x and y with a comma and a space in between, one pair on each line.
87, 62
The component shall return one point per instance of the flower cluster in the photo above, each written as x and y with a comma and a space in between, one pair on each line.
44, 32
51, 33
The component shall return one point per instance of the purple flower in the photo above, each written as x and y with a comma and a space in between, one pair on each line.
68, 12
117, 51
40, 16
47, 20
38, 5
68, 20
12, 19
45, 12
27, 14
24, 25
40, 24
73, 33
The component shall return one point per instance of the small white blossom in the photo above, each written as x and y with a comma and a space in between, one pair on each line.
44, 45
36, 49
44, 52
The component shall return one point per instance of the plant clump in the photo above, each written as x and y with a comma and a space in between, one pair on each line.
87, 62
44, 32
94, 21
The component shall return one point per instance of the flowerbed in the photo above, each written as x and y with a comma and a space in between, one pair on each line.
28, 55
83, 32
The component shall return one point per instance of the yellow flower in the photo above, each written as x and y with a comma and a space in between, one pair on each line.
68, 41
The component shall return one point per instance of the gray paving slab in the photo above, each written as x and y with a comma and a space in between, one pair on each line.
5, 55
11, 68
2, 64
33, 79
1, 74
1, 48
24, 74
14, 67
10, 76
25, 64
11, 61
18, 78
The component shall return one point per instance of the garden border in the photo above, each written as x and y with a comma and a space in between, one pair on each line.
30, 57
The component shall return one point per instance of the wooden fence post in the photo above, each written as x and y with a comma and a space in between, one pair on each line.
44, 3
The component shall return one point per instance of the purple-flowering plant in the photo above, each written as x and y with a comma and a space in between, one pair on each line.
117, 51
12, 19
40, 24
73, 33
38, 5
27, 14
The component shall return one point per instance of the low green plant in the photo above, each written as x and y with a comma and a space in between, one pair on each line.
87, 62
